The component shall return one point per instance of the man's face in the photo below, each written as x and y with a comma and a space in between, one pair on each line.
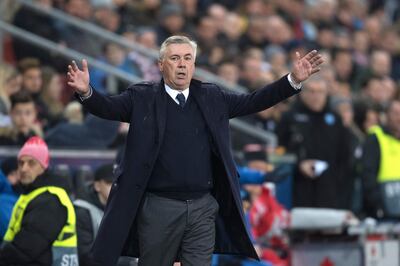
32, 80
29, 169
177, 66
314, 95
393, 116
23, 116
79, 8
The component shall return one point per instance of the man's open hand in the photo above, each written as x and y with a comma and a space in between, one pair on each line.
79, 79
304, 67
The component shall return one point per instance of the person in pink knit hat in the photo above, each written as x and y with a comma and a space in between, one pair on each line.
33, 160
42, 226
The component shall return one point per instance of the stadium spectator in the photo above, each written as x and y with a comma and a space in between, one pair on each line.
39, 24
23, 116
147, 37
9, 192
89, 211
312, 131
51, 97
380, 171
75, 38
42, 226
114, 55
10, 83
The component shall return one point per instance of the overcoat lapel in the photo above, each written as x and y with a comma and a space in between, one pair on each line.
204, 105
161, 110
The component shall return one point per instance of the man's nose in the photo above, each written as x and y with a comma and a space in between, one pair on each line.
181, 63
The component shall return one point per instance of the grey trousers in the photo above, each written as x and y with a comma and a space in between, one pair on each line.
174, 230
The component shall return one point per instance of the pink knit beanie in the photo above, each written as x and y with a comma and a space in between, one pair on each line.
36, 148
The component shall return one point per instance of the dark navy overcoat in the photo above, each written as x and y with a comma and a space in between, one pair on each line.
144, 106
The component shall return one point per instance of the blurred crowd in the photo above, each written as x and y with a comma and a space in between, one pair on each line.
340, 128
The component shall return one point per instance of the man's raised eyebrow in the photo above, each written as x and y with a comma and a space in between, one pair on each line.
188, 54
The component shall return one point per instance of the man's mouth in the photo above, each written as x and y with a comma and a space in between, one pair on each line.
181, 75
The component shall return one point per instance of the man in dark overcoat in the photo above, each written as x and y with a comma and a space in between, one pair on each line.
176, 192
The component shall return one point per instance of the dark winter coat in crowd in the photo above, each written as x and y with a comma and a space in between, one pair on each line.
320, 136
371, 160
44, 218
84, 226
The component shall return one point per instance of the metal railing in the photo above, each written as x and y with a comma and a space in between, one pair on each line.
65, 51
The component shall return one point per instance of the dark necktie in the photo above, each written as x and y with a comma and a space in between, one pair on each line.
181, 99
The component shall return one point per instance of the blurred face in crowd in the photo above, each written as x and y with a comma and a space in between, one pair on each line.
207, 30
151, 4
373, 27
256, 29
23, 116
79, 8
381, 91
345, 110
343, 40
148, 39
115, 54
381, 63
102, 188
45, 3
32, 80
278, 31
218, 13
343, 65
54, 88
326, 38
233, 26
371, 119
13, 85
108, 18
252, 70
229, 72
325, 9
393, 118
278, 62
177, 65
315, 94
13, 177
390, 40
29, 169
173, 23
361, 41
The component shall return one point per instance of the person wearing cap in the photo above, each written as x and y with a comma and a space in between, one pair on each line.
89, 210
42, 226
176, 194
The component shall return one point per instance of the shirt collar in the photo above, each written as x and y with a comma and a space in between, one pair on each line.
173, 93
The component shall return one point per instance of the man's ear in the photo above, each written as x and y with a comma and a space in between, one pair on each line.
96, 186
160, 65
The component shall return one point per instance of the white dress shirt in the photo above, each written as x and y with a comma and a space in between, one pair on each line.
173, 93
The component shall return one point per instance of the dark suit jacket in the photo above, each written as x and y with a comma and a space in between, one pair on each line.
144, 106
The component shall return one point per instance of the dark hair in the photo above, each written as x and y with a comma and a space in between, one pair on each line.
104, 172
28, 63
20, 97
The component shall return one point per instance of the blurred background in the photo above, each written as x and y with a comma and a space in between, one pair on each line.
320, 173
